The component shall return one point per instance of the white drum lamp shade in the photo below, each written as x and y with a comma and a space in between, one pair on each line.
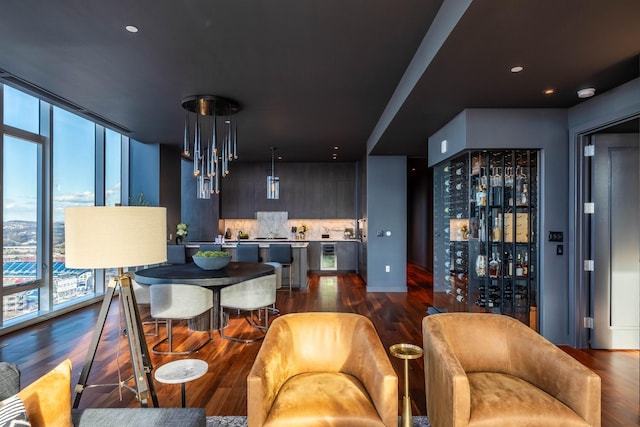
115, 236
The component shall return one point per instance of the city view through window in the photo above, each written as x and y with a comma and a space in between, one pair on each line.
74, 182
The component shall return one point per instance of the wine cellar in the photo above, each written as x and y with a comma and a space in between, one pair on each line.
485, 238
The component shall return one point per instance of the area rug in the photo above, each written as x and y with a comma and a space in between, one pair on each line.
235, 421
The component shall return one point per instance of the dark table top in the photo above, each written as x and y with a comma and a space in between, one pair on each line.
191, 274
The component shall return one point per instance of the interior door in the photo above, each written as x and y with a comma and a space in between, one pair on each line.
616, 244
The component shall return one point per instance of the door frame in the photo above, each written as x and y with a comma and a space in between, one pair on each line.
616, 106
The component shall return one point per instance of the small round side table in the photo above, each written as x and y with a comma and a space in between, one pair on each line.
181, 371
406, 352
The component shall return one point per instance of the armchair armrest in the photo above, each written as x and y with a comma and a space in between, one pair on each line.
447, 386
369, 362
544, 365
270, 370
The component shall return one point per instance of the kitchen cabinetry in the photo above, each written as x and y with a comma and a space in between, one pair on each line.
347, 253
486, 233
313, 255
307, 190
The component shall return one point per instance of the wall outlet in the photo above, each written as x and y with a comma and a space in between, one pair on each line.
387, 268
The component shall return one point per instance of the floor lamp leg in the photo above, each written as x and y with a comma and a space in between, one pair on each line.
140, 359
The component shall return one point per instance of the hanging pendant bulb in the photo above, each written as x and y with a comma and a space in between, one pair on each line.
273, 182
185, 143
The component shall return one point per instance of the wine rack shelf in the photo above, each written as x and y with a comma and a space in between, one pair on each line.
486, 233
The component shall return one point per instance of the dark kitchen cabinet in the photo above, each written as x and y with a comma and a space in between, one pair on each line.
307, 190
313, 256
347, 253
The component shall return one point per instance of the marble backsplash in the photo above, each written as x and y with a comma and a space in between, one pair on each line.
277, 224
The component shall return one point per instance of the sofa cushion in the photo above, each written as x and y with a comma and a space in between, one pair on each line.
300, 396
13, 413
9, 380
505, 400
136, 417
48, 399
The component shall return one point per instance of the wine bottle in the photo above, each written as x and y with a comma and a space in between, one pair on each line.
494, 266
481, 265
525, 265
524, 196
519, 268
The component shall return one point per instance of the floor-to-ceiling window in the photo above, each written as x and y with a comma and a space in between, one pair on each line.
74, 184
21, 208
51, 159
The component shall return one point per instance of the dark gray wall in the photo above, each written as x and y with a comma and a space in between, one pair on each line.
144, 172
170, 185
544, 129
387, 211
419, 214
154, 170
362, 217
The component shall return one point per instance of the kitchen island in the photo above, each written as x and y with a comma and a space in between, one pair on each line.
298, 249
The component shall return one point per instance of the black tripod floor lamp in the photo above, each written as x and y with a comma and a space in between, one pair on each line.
100, 237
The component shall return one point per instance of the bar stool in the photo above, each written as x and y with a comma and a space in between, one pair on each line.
247, 252
277, 268
281, 253
176, 254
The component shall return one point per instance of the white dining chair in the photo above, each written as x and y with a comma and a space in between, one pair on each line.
251, 295
142, 294
177, 302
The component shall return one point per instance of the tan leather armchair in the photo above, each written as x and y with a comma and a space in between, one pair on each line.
492, 370
322, 369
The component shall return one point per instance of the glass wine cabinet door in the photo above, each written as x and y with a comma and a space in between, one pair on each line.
485, 233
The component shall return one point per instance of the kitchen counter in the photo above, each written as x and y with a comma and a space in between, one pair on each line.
265, 243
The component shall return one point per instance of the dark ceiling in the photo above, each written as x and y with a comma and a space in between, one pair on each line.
368, 76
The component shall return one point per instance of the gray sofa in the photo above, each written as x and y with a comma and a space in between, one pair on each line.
121, 417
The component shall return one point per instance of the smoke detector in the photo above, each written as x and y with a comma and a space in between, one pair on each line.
587, 92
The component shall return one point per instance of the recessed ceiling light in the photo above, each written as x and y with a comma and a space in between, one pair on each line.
549, 91
587, 92
131, 28
335, 148
517, 69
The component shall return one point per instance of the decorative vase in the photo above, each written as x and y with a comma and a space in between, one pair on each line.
179, 240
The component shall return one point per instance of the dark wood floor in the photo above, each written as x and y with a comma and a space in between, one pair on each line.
222, 391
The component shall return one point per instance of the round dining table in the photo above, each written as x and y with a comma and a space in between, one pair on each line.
191, 274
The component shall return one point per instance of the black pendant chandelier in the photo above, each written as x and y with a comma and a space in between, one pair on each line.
210, 139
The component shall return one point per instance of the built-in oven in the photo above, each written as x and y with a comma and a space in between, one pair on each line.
328, 257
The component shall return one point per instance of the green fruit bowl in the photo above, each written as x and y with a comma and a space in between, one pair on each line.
212, 263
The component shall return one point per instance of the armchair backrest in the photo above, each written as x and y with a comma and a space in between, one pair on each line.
325, 342
480, 341
251, 294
